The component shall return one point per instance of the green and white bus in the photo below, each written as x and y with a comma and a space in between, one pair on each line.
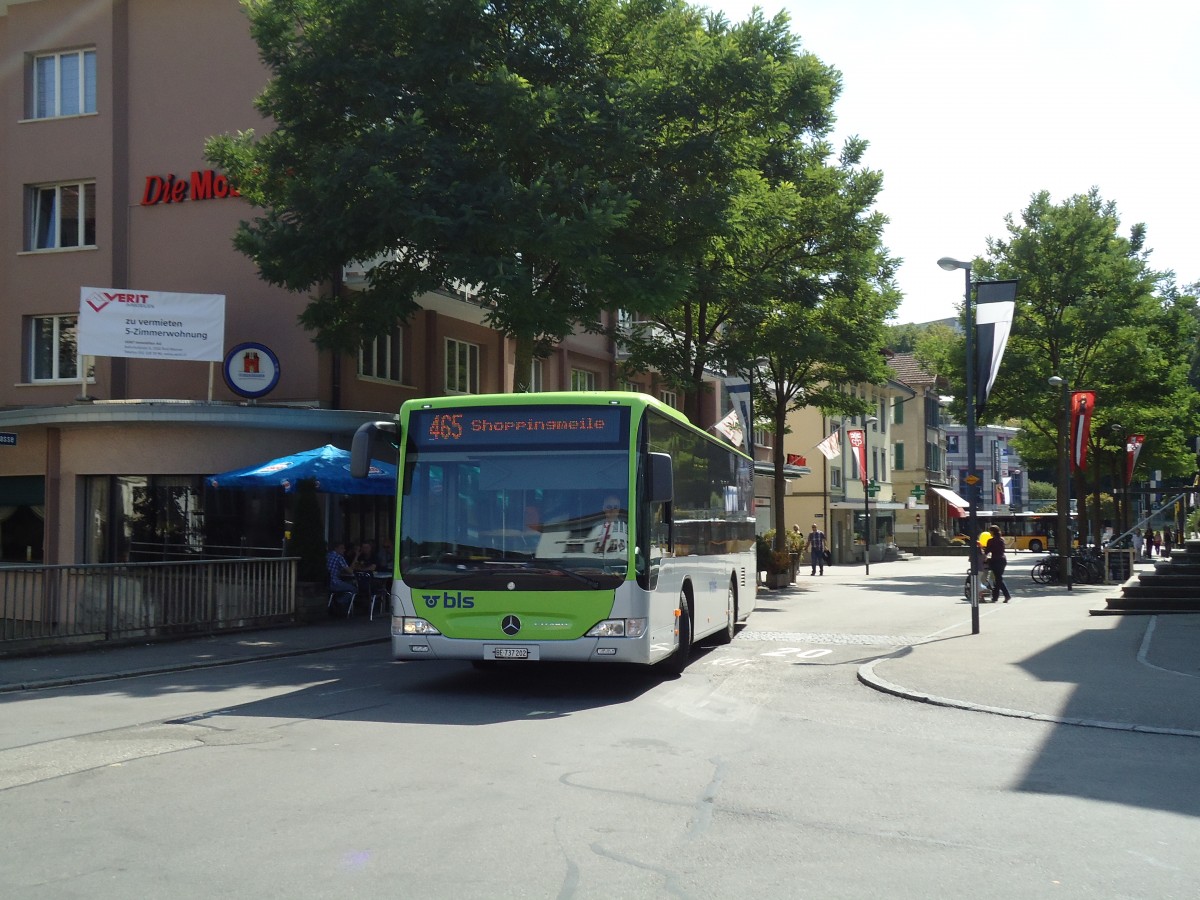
589, 527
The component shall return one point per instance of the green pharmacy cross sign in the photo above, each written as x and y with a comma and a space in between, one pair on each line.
873, 488
919, 493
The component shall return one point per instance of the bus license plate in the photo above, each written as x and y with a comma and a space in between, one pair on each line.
510, 653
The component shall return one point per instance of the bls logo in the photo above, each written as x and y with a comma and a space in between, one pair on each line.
449, 600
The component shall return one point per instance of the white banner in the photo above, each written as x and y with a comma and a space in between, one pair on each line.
151, 324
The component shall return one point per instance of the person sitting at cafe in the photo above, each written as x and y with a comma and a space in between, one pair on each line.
341, 575
364, 558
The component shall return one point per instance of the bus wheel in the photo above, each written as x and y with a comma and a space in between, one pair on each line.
677, 661
725, 635
1035, 546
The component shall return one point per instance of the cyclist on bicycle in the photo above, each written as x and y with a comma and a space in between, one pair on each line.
996, 561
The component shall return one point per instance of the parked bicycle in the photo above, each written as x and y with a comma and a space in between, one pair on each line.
1087, 567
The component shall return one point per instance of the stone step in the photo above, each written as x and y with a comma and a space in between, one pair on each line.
1191, 604
1190, 590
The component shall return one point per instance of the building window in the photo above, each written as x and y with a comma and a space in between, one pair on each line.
383, 357
952, 443
898, 413
462, 367
536, 374
583, 380
835, 477
933, 457
62, 216
670, 398
64, 84
898, 449
52, 355
632, 386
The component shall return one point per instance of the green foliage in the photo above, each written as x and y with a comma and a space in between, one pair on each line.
462, 142
1089, 309
1041, 490
308, 541
773, 562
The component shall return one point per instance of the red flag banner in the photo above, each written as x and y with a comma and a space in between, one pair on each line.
858, 449
795, 459
1082, 403
1133, 446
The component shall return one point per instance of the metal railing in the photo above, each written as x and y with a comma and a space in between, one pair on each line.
48, 605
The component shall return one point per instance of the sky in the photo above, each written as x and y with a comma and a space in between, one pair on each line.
972, 107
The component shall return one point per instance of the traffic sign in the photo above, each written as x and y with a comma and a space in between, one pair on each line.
8, 439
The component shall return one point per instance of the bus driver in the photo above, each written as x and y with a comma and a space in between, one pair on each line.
611, 535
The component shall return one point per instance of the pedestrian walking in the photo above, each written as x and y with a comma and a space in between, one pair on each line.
1158, 542
816, 549
997, 562
1137, 541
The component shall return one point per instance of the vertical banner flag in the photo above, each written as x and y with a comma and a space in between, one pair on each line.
731, 427
739, 396
1133, 447
1081, 423
831, 447
995, 302
858, 449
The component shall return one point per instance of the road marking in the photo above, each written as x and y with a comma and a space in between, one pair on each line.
790, 637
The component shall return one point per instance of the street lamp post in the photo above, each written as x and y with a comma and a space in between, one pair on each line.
870, 420
950, 265
1063, 535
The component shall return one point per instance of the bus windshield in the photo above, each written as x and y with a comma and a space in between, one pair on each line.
475, 509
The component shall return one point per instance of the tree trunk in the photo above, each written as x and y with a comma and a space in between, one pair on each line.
777, 458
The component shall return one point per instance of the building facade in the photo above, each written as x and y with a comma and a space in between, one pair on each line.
1003, 481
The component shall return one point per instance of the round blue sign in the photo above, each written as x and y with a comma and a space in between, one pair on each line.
251, 370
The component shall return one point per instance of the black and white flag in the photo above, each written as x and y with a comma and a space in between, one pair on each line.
994, 305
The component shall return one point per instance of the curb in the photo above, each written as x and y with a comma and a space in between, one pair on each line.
68, 680
868, 677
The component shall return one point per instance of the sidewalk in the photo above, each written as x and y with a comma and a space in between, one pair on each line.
1046, 658
102, 663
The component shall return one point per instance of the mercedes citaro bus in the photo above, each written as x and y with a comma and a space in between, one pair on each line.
581, 526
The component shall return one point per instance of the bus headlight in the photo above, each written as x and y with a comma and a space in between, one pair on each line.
631, 628
410, 625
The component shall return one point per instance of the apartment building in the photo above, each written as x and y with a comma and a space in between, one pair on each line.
836, 499
103, 185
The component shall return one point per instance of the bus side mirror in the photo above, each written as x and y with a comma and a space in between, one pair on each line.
660, 479
360, 447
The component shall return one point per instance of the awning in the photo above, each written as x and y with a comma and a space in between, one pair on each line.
952, 498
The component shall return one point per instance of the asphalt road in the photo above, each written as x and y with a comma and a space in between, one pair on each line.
766, 770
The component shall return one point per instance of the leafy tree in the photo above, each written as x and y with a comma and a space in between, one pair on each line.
824, 291
458, 140
742, 113
1089, 309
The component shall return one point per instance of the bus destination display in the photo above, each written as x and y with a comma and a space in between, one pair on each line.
591, 426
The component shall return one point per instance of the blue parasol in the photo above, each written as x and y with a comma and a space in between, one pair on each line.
328, 465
